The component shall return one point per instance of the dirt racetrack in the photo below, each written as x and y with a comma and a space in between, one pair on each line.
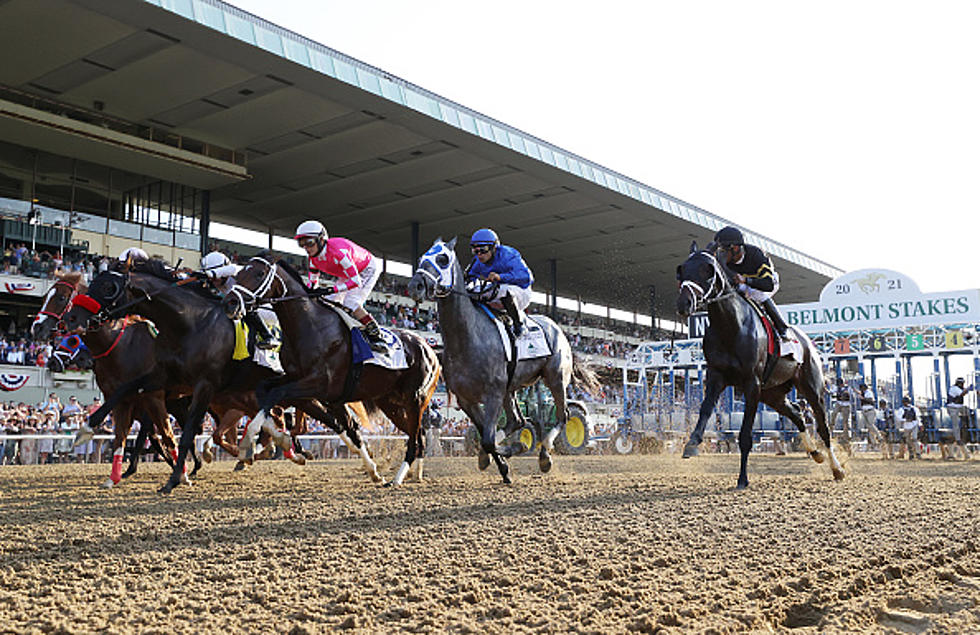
602, 544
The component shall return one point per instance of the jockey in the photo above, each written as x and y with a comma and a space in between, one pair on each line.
754, 274
220, 271
133, 252
356, 271
500, 263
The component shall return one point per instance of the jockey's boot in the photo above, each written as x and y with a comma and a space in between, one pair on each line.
373, 333
264, 337
777, 319
515, 314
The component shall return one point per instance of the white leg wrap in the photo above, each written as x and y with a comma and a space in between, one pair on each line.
369, 465
119, 452
808, 442
418, 469
400, 474
253, 428
549, 439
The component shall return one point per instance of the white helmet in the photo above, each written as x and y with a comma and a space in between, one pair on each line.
214, 260
311, 229
133, 252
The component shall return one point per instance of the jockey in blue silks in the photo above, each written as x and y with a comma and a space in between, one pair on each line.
500, 263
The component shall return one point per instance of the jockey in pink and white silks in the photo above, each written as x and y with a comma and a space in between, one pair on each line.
355, 271
499, 263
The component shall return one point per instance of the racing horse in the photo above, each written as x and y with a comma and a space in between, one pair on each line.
735, 348
324, 364
476, 363
112, 369
192, 353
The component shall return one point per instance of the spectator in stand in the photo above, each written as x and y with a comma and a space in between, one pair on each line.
53, 404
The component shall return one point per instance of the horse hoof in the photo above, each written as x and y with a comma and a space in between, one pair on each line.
298, 459
838, 474
544, 464
817, 456
167, 488
483, 460
207, 456
241, 465
690, 451
108, 484
388, 484
507, 480
742, 485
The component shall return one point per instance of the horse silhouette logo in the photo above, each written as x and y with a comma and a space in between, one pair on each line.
869, 283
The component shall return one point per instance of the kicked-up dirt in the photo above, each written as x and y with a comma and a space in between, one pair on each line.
602, 544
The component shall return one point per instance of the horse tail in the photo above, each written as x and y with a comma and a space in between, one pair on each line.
584, 377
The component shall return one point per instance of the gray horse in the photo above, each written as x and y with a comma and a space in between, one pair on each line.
475, 362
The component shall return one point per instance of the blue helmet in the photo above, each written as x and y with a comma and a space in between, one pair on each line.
485, 237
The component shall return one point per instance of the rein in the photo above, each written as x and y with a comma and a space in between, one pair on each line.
128, 321
724, 288
101, 315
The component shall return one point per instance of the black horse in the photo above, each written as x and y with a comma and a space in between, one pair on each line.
325, 368
735, 348
192, 351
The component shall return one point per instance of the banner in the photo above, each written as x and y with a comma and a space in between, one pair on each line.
881, 298
19, 287
10, 381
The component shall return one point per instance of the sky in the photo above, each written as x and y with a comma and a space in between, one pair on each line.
847, 130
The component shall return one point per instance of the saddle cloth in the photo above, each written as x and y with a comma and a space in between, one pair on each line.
532, 343
245, 348
394, 358
791, 348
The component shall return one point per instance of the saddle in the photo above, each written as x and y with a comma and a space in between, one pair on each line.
775, 347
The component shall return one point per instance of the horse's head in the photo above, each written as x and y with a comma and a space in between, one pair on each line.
701, 279
56, 303
106, 292
71, 351
436, 273
258, 280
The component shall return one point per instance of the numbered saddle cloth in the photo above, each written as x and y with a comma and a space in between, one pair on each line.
394, 357
245, 346
532, 343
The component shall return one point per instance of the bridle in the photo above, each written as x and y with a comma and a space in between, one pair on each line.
430, 269
247, 297
72, 292
718, 289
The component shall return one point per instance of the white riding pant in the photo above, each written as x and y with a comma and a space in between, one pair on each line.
762, 296
356, 297
522, 297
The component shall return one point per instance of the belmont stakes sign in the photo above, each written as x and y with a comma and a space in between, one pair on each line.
880, 298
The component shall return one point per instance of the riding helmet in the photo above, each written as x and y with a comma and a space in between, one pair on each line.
728, 236
311, 229
485, 237
214, 260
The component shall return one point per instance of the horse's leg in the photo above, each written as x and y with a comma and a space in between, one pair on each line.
811, 387
122, 421
300, 428
714, 384
751, 393
486, 419
775, 398
155, 409
557, 382
338, 418
203, 393
134, 457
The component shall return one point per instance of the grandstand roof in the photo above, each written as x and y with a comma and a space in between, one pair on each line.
315, 133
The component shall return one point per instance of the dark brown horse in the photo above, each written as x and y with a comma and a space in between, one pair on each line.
193, 350
112, 370
324, 367
735, 349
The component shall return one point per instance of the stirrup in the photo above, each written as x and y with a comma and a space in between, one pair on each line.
267, 345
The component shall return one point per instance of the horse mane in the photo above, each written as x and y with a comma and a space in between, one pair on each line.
71, 277
288, 268
155, 267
